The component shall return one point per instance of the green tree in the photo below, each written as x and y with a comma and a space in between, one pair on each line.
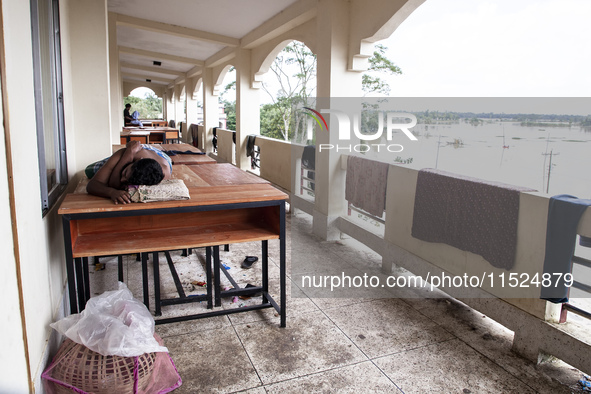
295, 70
271, 121
230, 111
379, 64
149, 107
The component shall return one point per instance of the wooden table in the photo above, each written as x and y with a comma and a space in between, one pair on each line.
225, 174
180, 158
153, 122
183, 158
135, 135
155, 134
216, 214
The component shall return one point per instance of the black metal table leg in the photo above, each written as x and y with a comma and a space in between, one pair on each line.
70, 266
120, 268
208, 276
216, 273
265, 269
145, 279
86, 279
80, 283
282, 264
156, 265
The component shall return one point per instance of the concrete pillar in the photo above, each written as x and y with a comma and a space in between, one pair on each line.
248, 119
192, 113
179, 104
210, 110
333, 80
116, 83
170, 99
164, 103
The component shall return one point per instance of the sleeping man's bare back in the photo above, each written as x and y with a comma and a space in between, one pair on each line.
128, 166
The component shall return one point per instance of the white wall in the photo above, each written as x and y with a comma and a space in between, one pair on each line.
28, 222
38, 255
531, 238
13, 363
275, 161
90, 100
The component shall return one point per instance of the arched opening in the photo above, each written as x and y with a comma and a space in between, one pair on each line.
227, 98
146, 102
288, 83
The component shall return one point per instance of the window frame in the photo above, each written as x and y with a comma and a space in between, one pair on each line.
49, 193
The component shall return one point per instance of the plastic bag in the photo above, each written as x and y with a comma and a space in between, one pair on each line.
113, 323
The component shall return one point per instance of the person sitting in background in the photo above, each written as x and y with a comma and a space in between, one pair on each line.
136, 164
131, 119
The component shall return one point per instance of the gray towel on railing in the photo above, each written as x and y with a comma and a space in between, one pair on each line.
470, 214
194, 134
564, 213
309, 157
365, 184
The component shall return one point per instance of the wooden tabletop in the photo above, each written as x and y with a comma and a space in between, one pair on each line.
153, 122
182, 147
149, 129
205, 188
179, 158
225, 174
135, 132
200, 196
187, 158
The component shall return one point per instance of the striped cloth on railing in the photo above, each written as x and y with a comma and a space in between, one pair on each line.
365, 184
470, 214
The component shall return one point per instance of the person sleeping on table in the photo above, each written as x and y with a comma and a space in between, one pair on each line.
136, 164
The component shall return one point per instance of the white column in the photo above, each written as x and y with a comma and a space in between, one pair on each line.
179, 104
210, 110
248, 119
170, 99
115, 82
333, 80
192, 113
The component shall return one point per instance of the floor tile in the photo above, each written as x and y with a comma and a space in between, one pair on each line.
493, 341
310, 343
358, 378
192, 326
386, 326
448, 367
213, 361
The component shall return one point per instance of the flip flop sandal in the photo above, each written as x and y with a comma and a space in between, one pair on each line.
249, 261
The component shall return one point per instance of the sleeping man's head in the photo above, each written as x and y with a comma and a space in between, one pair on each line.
142, 172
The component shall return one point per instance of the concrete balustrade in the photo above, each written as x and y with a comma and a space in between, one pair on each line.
534, 321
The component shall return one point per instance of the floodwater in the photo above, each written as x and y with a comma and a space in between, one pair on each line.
506, 151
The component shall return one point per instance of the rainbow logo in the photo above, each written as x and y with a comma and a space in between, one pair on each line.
315, 118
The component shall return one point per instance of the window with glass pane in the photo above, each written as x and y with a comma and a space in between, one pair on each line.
48, 99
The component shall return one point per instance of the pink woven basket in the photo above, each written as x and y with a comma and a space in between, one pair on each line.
77, 369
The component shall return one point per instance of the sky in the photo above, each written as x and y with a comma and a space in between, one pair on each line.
500, 48
492, 48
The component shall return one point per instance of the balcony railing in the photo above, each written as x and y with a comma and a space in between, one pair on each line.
280, 163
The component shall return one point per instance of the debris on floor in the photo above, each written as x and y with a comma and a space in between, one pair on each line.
585, 381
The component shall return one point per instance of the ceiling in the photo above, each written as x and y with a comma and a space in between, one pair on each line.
182, 34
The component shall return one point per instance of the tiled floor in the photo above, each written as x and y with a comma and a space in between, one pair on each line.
359, 344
